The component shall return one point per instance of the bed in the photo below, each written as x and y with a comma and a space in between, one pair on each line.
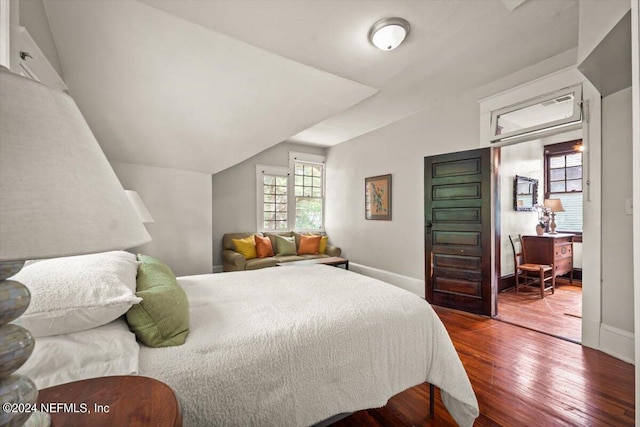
294, 346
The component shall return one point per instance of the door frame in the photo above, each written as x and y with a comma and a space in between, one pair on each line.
592, 201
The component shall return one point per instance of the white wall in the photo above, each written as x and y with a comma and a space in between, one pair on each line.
34, 18
597, 18
234, 193
524, 159
399, 149
617, 236
180, 203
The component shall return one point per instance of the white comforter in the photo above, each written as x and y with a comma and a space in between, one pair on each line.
292, 346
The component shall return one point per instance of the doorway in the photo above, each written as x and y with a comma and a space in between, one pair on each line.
553, 167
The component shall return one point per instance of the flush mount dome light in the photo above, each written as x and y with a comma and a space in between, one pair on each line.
389, 33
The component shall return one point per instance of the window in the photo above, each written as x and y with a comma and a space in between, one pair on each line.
309, 195
291, 198
273, 197
563, 180
536, 116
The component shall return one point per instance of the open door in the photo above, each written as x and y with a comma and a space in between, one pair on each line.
457, 207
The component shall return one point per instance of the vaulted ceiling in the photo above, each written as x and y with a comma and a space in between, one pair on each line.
202, 85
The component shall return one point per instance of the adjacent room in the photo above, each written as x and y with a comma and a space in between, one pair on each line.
314, 213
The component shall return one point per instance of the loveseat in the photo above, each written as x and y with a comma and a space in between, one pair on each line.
234, 261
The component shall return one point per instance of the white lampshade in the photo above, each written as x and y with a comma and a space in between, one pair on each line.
554, 205
389, 33
58, 194
139, 206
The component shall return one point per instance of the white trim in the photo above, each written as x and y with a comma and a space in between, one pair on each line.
407, 283
305, 157
271, 170
5, 33
617, 343
592, 198
635, 108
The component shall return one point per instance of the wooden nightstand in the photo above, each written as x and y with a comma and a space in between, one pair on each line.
113, 401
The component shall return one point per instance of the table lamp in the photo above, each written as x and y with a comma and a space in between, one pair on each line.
58, 197
554, 205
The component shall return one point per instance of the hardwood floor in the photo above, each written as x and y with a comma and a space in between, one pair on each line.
558, 314
521, 378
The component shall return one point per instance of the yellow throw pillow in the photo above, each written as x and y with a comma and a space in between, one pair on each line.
246, 246
322, 249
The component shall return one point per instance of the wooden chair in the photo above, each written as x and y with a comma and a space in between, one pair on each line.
530, 274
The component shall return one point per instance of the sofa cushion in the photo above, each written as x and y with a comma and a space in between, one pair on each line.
314, 256
309, 245
246, 246
263, 247
272, 236
322, 248
256, 263
287, 258
227, 239
285, 246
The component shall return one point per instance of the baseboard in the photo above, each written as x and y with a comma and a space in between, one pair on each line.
617, 343
218, 269
410, 284
506, 282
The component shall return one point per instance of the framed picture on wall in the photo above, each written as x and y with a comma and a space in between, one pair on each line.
377, 202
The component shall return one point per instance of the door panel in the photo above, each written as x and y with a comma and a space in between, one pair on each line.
457, 196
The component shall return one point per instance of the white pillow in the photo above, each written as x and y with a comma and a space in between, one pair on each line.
110, 349
72, 294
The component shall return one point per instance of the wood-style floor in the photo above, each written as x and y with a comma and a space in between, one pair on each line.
558, 314
521, 378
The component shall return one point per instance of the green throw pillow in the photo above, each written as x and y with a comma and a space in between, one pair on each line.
285, 246
162, 318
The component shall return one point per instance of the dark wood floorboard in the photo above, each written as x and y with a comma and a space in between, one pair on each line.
521, 378
558, 314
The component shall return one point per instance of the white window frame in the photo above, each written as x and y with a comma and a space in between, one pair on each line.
317, 159
262, 170
542, 129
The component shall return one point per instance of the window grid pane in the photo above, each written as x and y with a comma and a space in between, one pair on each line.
565, 183
308, 190
275, 202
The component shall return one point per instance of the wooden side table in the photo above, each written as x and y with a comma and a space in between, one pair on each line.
112, 401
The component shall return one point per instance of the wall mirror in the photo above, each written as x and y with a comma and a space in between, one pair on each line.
525, 193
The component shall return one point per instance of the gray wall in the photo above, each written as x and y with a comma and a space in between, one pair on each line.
234, 192
34, 18
399, 149
180, 203
617, 237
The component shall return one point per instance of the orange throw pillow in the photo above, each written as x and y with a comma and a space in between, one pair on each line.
263, 247
309, 245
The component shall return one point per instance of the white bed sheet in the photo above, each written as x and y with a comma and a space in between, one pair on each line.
294, 346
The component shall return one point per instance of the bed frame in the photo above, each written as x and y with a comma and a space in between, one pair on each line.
336, 418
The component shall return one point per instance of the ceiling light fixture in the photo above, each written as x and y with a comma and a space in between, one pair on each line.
389, 33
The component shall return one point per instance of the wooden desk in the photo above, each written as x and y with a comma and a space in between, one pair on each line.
551, 249
113, 401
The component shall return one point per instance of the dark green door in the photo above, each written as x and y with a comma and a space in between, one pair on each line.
457, 207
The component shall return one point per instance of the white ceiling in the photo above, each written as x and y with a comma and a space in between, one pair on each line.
201, 85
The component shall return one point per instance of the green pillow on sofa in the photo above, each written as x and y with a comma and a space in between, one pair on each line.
162, 318
285, 246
